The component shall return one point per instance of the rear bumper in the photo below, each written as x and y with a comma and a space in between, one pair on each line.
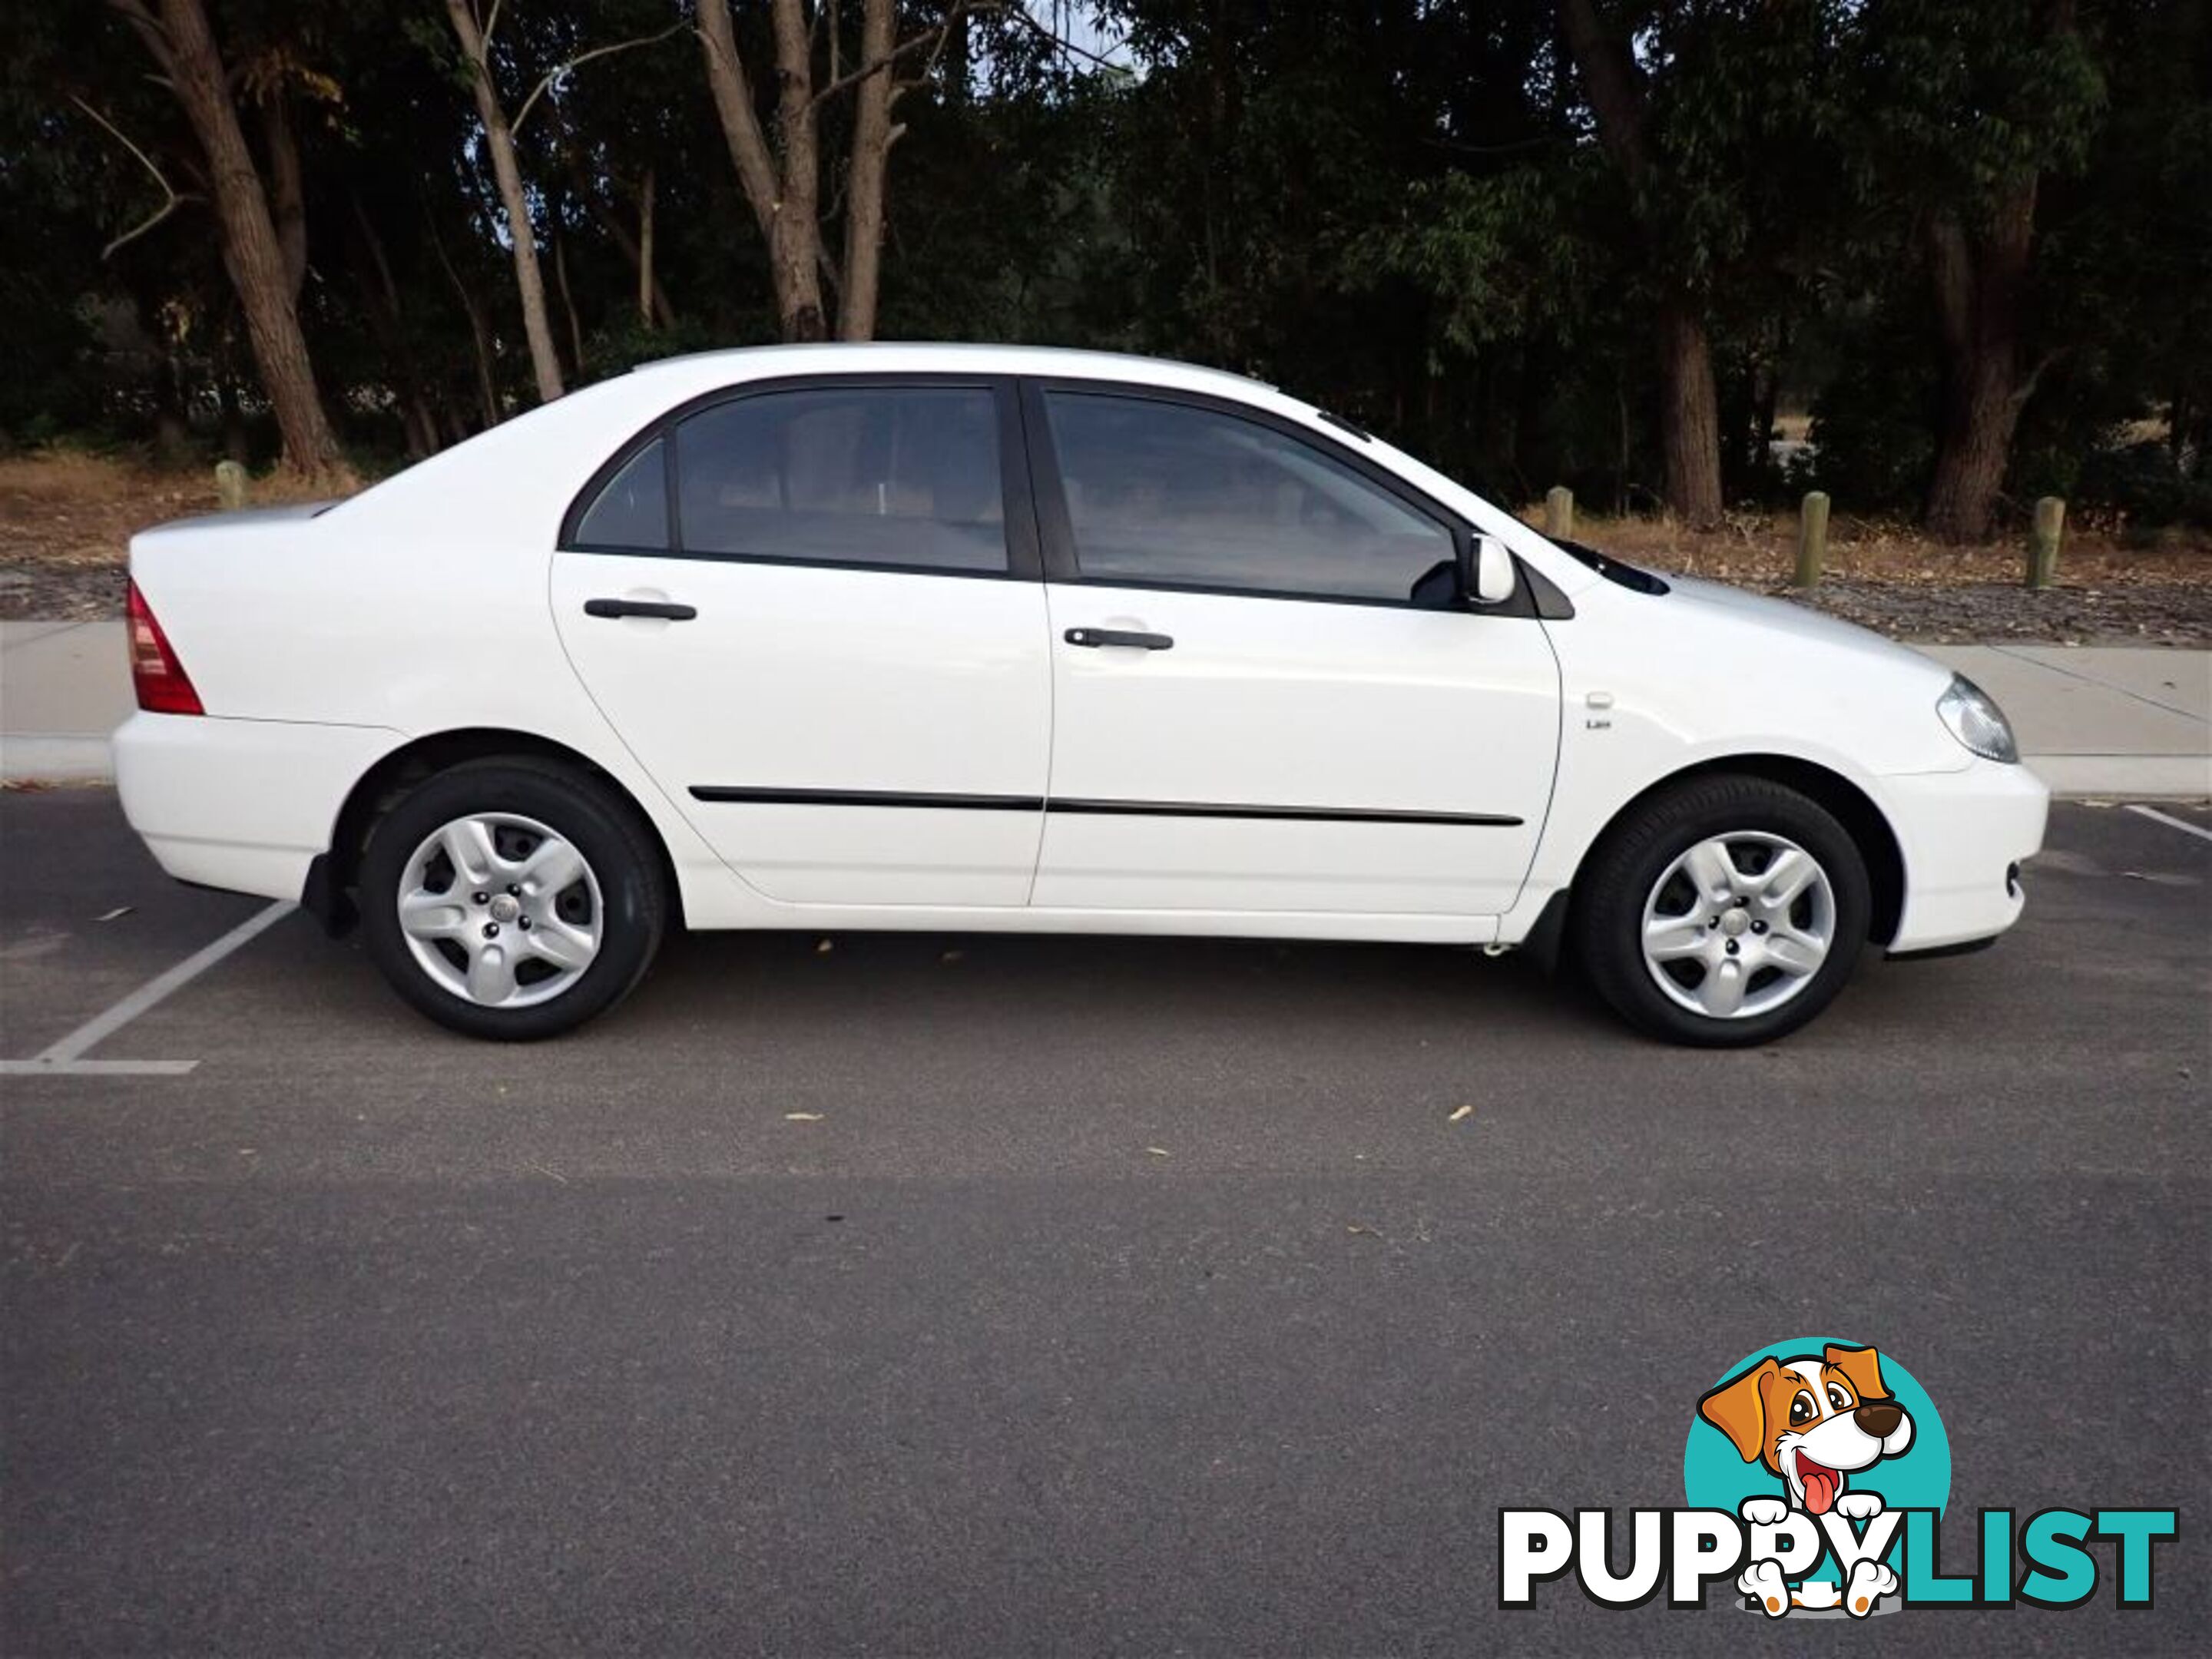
1963, 836
243, 805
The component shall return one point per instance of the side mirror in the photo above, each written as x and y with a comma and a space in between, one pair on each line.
1494, 575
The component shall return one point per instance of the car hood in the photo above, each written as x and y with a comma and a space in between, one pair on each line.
1794, 622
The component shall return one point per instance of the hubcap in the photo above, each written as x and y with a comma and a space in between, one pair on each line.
500, 910
1739, 924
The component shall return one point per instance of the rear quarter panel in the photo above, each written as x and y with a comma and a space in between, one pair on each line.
420, 606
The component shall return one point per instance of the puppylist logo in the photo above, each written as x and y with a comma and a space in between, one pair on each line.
1817, 1475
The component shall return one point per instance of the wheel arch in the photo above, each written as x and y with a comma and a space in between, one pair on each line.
1868, 827
333, 876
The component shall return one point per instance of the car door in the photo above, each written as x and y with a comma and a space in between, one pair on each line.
1252, 712
807, 609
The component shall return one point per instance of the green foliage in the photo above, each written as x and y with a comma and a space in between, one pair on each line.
1399, 209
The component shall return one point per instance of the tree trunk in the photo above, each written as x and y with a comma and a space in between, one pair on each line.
1980, 280
1978, 283
618, 233
784, 197
796, 245
287, 196
568, 304
380, 296
873, 135
479, 332
173, 432
499, 139
184, 46
1689, 418
647, 289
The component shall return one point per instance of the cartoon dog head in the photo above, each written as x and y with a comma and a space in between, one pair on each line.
1811, 1420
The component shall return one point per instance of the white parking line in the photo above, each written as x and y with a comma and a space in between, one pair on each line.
66, 1057
2182, 824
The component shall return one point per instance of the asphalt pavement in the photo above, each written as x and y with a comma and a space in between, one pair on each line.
983, 1296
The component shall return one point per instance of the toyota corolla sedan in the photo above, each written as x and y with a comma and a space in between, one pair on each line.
964, 638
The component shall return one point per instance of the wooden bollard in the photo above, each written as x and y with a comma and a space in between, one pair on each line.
1811, 539
1559, 512
2042, 541
229, 484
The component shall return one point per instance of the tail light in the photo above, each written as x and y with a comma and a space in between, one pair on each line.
160, 679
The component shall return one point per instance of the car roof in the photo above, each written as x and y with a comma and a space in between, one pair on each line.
924, 356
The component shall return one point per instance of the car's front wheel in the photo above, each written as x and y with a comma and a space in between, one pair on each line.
511, 899
1728, 911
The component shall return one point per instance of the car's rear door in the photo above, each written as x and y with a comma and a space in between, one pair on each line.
810, 609
1252, 712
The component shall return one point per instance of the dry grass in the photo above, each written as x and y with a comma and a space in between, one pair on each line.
72, 507
1760, 550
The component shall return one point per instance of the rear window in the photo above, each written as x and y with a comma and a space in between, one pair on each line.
897, 477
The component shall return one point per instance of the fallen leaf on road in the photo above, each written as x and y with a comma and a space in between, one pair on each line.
1354, 1227
1159, 1151
1464, 1111
802, 1117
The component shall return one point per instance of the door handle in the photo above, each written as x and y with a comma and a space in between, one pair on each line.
657, 609
1098, 636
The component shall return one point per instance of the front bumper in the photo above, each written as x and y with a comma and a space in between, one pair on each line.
240, 805
1963, 836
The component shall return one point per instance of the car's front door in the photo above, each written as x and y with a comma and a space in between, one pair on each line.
1252, 712
808, 613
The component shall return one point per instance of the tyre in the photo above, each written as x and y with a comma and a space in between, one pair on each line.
1728, 911
511, 899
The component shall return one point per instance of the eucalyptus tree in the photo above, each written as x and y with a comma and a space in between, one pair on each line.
474, 29
1970, 107
265, 263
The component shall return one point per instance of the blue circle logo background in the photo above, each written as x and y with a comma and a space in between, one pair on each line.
1714, 1477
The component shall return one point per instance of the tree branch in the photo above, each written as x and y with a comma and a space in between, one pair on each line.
150, 30
2026, 389
581, 58
1021, 14
161, 213
928, 36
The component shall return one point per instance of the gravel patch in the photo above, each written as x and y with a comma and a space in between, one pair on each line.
61, 593
2135, 613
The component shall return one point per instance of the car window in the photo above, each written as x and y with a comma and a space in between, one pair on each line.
1184, 496
632, 511
904, 476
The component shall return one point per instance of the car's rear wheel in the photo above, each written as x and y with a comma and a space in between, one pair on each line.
1728, 911
511, 899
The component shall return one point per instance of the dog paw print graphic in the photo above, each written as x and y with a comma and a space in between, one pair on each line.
1807, 1442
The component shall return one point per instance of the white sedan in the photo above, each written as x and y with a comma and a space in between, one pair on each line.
942, 637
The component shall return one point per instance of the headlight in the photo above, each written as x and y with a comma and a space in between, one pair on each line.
1975, 719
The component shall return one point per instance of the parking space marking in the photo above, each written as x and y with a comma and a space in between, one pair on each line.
95, 1068
66, 1057
2182, 824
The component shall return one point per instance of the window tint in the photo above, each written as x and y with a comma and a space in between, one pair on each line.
1167, 493
869, 475
632, 511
